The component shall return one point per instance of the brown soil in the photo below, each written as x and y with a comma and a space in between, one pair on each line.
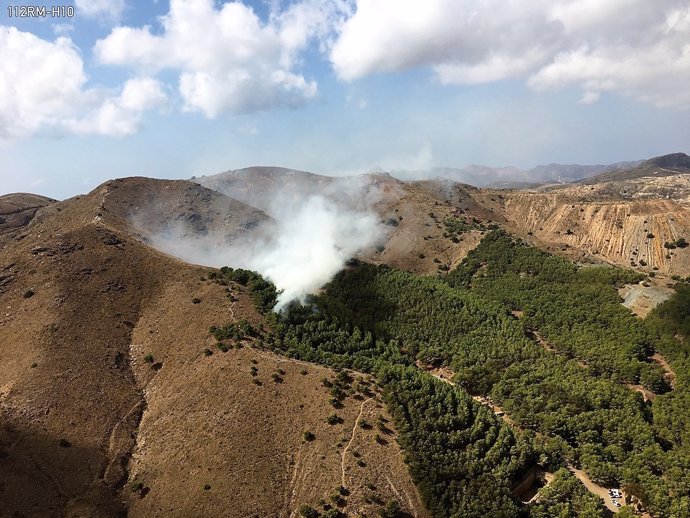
416, 243
601, 230
84, 416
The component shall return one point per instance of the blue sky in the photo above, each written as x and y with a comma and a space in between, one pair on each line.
192, 87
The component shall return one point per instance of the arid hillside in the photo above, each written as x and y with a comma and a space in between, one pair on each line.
116, 399
411, 215
16, 210
642, 231
620, 217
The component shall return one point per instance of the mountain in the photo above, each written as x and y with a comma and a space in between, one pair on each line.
666, 165
135, 383
116, 400
512, 177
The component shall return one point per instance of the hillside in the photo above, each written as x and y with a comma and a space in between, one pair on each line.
17, 210
623, 232
624, 222
411, 215
109, 403
120, 395
510, 177
666, 165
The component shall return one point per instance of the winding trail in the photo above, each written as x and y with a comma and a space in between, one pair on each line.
670, 375
352, 438
591, 486
594, 488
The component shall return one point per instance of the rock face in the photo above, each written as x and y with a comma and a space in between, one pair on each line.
627, 233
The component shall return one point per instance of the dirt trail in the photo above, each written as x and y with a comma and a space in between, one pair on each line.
352, 438
670, 375
497, 410
594, 488
446, 375
647, 395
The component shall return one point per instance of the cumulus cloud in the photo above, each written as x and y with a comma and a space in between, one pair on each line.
43, 89
228, 59
111, 9
634, 47
121, 115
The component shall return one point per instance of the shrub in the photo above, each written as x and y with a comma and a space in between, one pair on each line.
208, 352
391, 510
308, 511
29, 293
196, 300
333, 419
309, 436
149, 358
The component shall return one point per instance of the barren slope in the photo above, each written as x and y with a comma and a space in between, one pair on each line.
17, 210
84, 303
622, 232
413, 239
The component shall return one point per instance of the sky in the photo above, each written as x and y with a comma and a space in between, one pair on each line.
196, 87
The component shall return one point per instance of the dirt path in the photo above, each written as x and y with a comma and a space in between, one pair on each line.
352, 438
497, 410
670, 375
446, 375
594, 488
647, 395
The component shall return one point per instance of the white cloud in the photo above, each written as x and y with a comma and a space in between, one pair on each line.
394, 35
228, 60
43, 90
634, 47
121, 116
111, 9
590, 97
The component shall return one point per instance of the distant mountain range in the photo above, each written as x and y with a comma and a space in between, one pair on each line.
666, 165
513, 177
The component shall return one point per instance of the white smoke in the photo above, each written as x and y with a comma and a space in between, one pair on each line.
311, 246
307, 241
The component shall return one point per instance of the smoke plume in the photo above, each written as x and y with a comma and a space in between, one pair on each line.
305, 242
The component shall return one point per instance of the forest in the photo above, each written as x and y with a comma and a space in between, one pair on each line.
543, 338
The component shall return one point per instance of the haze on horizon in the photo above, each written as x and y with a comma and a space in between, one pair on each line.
336, 87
